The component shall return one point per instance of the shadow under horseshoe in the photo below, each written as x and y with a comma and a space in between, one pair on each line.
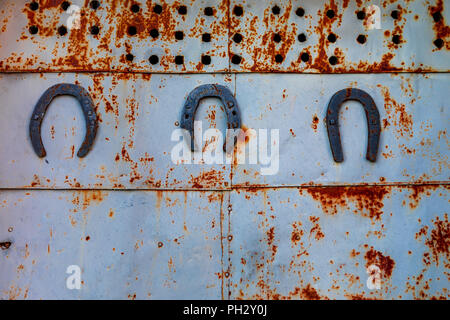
87, 105
215, 91
372, 116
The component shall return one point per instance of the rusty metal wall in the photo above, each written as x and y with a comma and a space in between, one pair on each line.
142, 227
145, 245
413, 39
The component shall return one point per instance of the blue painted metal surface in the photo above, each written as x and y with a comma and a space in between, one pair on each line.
142, 226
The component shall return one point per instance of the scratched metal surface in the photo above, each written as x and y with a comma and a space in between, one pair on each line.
143, 245
79, 50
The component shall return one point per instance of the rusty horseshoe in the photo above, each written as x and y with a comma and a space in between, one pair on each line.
210, 90
87, 105
372, 116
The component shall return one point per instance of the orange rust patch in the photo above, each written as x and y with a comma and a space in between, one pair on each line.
36, 181
354, 253
385, 263
441, 30
306, 293
357, 297
309, 293
439, 240
270, 240
292, 133
88, 198
207, 179
368, 200
297, 233
417, 191
396, 115
316, 230
315, 122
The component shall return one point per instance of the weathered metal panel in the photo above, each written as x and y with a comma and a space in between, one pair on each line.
129, 245
80, 50
414, 116
314, 229
137, 115
319, 21
318, 242
422, 43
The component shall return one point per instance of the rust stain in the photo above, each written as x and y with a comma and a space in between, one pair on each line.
441, 29
316, 230
358, 297
309, 293
315, 122
396, 115
436, 239
385, 263
297, 233
367, 200
5, 245
36, 181
207, 179
417, 191
270, 241
438, 242
267, 40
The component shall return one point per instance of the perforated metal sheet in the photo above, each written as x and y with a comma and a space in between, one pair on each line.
80, 50
414, 26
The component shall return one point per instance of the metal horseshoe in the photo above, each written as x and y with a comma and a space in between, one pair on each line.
87, 105
210, 90
372, 116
